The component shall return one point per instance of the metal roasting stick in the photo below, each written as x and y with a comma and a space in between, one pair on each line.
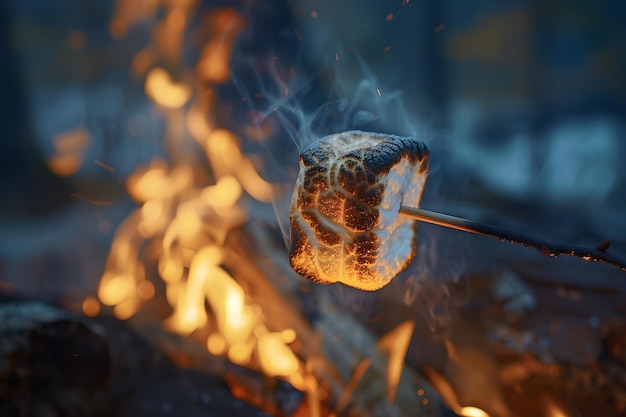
546, 247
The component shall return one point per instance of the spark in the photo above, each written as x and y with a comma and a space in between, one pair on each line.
378, 91
313, 14
90, 200
104, 166
298, 35
389, 17
337, 56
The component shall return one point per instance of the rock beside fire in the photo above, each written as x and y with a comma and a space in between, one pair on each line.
51, 363
344, 217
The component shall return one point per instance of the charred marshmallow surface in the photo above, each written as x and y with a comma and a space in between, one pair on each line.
345, 225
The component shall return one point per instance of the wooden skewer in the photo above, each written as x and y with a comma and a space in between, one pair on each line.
546, 247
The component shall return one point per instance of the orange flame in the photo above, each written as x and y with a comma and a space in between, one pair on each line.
188, 212
553, 409
395, 344
162, 89
449, 396
276, 358
213, 64
472, 412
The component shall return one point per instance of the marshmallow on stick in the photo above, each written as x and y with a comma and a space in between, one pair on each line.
355, 205
344, 217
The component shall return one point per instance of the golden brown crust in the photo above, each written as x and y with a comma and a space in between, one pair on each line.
336, 218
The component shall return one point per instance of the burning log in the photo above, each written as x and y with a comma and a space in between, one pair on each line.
344, 221
357, 374
369, 365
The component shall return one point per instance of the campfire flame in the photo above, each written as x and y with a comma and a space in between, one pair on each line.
188, 213
450, 397
396, 344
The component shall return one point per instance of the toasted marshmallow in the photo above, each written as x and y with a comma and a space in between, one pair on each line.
344, 218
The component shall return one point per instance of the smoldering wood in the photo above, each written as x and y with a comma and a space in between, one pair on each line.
164, 375
188, 355
347, 343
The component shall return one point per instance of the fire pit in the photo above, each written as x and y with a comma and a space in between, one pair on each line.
196, 309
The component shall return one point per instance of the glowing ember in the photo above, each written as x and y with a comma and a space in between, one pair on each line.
344, 211
553, 409
472, 412
69, 151
91, 307
447, 393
